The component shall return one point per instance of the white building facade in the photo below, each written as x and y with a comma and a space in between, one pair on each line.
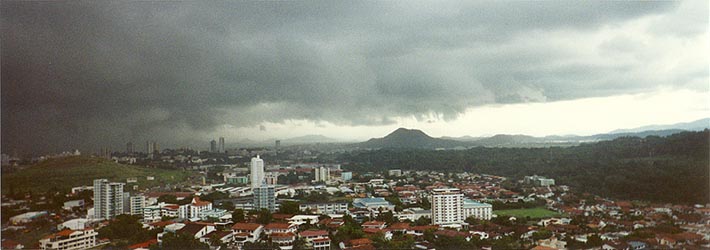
257, 171
447, 206
108, 199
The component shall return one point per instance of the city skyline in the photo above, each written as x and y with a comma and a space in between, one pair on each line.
123, 72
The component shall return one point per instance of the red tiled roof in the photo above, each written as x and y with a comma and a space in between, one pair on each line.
283, 235
282, 216
309, 233
172, 206
360, 241
276, 225
9, 244
424, 228
369, 230
373, 223
543, 248
399, 226
326, 239
145, 244
246, 226
219, 234
63, 233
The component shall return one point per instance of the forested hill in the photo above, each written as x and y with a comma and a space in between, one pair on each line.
662, 169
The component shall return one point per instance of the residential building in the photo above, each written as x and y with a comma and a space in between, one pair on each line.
68, 239
446, 206
539, 181
278, 227
395, 172
264, 198
136, 205
246, 232
108, 199
257, 171
321, 174
374, 204
324, 207
318, 239
213, 146
346, 176
482, 211
284, 240
69, 205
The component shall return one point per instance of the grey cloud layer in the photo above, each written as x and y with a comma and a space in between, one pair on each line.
82, 75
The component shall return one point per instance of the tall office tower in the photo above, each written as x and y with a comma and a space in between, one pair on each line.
321, 174
108, 199
213, 146
264, 198
277, 145
156, 147
129, 147
257, 172
221, 145
149, 147
446, 206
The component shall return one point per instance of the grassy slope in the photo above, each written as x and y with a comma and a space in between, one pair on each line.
534, 213
69, 172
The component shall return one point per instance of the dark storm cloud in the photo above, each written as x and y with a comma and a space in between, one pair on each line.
76, 74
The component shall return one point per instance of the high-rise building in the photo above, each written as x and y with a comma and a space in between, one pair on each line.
446, 206
346, 176
149, 147
108, 199
213, 146
277, 145
221, 145
137, 202
321, 174
257, 171
129, 147
264, 198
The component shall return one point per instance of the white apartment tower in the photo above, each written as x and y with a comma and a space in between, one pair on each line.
322, 174
257, 172
447, 206
108, 199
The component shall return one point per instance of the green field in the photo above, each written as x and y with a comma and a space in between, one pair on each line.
534, 213
65, 173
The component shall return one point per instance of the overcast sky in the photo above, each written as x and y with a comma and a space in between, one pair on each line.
86, 75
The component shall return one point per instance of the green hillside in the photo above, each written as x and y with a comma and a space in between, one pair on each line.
65, 173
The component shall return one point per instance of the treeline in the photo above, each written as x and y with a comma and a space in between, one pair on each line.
661, 169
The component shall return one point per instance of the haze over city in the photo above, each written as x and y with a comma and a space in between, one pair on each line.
86, 76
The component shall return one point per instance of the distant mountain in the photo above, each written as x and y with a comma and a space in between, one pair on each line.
462, 138
307, 139
689, 126
410, 138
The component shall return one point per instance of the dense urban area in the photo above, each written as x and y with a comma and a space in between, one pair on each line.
326, 197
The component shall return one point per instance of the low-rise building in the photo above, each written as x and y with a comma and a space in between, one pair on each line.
482, 211
68, 239
324, 207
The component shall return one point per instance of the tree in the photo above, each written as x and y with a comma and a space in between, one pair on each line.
264, 216
425, 203
289, 207
181, 241
168, 198
594, 241
238, 215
